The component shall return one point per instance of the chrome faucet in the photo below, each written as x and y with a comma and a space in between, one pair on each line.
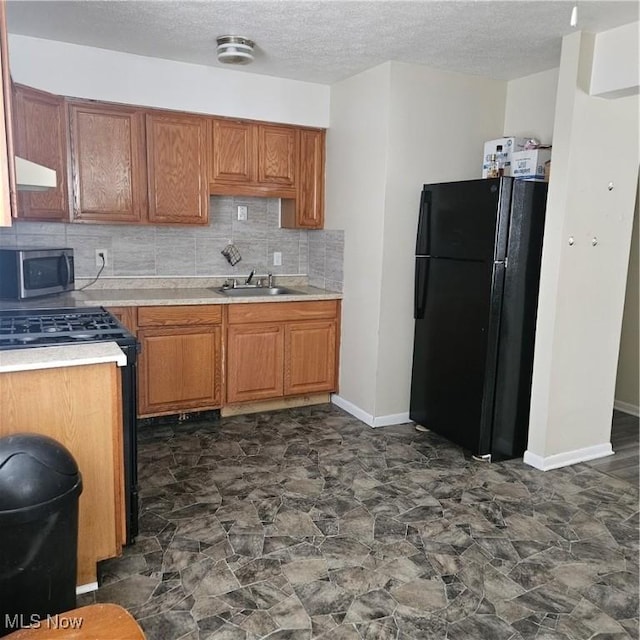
248, 280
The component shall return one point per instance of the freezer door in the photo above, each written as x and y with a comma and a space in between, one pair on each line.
451, 346
464, 220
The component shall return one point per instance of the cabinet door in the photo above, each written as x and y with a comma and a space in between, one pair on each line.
306, 211
311, 188
180, 370
233, 152
254, 362
41, 136
177, 168
310, 357
277, 147
108, 163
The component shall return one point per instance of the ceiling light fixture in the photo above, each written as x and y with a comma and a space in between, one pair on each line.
574, 16
235, 50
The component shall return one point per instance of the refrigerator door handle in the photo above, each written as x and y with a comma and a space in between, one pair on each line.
424, 223
420, 298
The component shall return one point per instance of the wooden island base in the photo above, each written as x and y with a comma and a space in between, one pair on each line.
80, 407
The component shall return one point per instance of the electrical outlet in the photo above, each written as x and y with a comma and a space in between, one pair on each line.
243, 212
102, 253
277, 258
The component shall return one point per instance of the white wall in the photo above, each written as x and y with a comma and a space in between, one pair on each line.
88, 72
596, 142
530, 106
437, 126
394, 128
356, 166
628, 377
609, 77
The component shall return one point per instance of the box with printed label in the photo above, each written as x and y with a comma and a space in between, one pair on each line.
529, 163
509, 145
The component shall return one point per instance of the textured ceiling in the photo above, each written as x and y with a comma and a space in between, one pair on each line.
326, 41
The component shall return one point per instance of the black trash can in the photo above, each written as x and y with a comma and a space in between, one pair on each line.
39, 489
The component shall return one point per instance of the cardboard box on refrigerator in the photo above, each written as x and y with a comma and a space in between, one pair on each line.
509, 145
530, 163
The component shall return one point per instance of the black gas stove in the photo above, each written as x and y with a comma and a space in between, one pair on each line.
22, 328
29, 328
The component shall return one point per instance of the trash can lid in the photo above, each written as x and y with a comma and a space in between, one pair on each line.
34, 469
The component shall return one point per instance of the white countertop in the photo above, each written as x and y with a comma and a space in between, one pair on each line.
52, 357
188, 296
165, 296
165, 293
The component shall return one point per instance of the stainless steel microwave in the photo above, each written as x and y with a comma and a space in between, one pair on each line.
28, 273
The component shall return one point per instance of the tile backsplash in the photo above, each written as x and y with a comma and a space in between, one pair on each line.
153, 251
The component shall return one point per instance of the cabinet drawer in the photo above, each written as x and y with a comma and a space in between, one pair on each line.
282, 311
189, 315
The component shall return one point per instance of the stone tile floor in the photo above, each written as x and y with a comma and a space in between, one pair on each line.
306, 523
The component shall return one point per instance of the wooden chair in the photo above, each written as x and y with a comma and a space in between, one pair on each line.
94, 622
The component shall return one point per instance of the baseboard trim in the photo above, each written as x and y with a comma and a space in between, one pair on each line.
568, 457
391, 419
289, 402
351, 408
367, 418
627, 407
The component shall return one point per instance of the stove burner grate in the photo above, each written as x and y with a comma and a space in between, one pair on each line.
44, 327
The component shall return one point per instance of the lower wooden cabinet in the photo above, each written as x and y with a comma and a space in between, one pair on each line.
180, 365
309, 357
271, 350
255, 362
281, 349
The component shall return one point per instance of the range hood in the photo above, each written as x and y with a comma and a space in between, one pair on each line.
34, 177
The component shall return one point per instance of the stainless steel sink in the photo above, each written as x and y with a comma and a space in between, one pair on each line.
242, 292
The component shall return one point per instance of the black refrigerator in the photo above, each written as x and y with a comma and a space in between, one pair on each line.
477, 271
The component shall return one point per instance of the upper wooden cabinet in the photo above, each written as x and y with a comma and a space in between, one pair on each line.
40, 125
177, 168
128, 164
307, 210
136, 165
108, 163
232, 152
277, 149
252, 158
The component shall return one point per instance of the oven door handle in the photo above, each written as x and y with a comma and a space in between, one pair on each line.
64, 269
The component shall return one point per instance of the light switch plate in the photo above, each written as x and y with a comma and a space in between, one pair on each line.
277, 258
243, 212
